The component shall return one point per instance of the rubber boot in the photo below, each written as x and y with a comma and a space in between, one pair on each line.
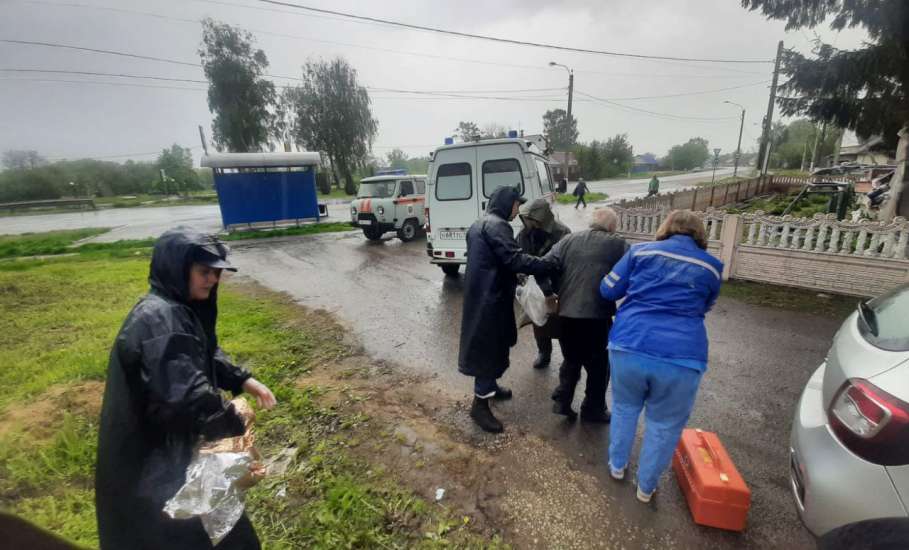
597, 413
502, 394
544, 356
482, 415
564, 409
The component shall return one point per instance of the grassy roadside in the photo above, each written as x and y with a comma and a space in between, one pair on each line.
790, 299
568, 198
38, 244
62, 242
53, 357
307, 229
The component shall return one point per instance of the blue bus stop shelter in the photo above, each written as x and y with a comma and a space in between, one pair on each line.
259, 188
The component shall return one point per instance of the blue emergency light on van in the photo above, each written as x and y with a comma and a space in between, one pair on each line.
449, 141
392, 172
512, 133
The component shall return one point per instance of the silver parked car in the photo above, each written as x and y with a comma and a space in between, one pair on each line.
850, 435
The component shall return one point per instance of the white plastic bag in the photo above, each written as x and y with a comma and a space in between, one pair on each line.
533, 302
211, 492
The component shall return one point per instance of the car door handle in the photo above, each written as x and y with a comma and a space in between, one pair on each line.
483, 206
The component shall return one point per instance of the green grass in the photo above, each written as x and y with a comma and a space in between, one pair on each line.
790, 299
568, 198
791, 173
67, 311
38, 244
648, 175
775, 205
336, 194
723, 181
307, 229
145, 200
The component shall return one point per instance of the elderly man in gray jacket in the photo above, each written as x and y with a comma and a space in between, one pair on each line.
584, 258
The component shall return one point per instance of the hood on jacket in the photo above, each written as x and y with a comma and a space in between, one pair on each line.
173, 256
540, 212
502, 201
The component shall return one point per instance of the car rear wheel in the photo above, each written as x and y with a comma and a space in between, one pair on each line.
372, 233
451, 270
408, 231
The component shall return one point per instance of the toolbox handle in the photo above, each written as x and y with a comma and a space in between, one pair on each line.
713, 454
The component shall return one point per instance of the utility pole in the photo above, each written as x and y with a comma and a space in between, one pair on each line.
202, 137
768, 120
738, 149
570, 92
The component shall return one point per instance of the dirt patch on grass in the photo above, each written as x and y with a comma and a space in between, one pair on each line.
41, 417
515, 485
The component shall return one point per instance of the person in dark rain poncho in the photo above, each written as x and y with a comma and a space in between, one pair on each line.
488, 328
163, 398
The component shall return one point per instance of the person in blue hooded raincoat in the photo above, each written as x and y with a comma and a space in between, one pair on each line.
488, 327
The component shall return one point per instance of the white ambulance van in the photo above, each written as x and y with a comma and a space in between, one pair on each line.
462, 177
389, 202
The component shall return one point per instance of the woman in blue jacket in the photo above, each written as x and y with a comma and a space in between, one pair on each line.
658, 344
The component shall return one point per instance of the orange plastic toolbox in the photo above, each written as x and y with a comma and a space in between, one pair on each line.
717, 495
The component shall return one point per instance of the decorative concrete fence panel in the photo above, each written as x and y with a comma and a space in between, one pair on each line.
855, 258
715, 196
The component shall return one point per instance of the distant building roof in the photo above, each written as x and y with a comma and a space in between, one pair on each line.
564, 157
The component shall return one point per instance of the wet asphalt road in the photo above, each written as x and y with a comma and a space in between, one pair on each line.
405, 311
619, 189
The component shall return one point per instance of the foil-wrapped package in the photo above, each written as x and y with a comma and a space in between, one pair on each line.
211, 492
215, 481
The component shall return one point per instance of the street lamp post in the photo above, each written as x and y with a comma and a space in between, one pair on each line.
570, 84
716, 160
738, 149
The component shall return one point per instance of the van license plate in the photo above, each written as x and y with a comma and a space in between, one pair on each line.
365, 222
452, 235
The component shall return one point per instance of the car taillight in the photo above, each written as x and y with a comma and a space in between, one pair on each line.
871, 423
426, 215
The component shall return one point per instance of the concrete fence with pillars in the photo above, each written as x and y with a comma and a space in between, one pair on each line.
859, 259
715, 196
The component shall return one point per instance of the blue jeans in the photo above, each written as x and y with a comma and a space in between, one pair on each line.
484, 388
668, 392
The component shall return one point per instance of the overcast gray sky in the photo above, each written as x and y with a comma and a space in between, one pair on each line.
109, 117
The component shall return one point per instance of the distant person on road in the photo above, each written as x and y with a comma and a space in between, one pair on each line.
563, 185
658, 344
583, 259
488, 329
163, 397
579, 191
653, 188
540, 233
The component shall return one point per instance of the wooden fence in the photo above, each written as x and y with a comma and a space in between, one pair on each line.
715, 196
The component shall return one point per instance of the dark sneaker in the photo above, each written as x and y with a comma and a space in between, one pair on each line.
542, 361
601, 416
483, 416
564, 409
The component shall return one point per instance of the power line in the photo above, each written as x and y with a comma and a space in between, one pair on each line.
97, 50
683, 94
504, 40
668, 116
93, 73
119, 156
375, 48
